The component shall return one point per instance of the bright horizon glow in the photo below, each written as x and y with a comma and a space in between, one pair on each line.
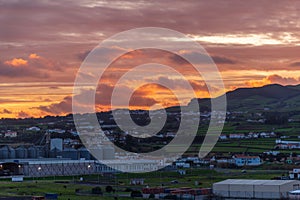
248, 39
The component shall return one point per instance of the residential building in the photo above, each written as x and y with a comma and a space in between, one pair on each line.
243, 160
11, 134
237, 136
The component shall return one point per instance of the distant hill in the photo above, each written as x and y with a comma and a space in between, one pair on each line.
270, 97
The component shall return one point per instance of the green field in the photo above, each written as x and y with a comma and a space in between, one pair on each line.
258, 145
66, 186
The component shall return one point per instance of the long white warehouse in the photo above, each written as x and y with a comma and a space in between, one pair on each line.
257, 189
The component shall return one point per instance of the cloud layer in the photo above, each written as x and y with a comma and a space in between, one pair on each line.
44, 42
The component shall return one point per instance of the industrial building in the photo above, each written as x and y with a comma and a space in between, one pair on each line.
67, 167
103, 152
254, 189
56, 143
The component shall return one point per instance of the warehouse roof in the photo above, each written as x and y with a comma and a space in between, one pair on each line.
295, 192
255, 182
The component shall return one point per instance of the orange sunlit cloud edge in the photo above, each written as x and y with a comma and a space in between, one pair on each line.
143, 98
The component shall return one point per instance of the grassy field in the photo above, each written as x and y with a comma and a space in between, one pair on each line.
66, 186
257, 145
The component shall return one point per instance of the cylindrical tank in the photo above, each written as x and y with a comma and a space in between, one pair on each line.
40, 151
21, 152
4, 154
32, 152
11, 152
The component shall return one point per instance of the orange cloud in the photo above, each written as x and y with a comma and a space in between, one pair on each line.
149, 94
273, 79
34, 56
258, 83
17, 62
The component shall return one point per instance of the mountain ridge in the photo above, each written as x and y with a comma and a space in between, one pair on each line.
267, 97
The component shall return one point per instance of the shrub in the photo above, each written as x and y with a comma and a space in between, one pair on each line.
136, 194
128, 190
109, 189
96, 190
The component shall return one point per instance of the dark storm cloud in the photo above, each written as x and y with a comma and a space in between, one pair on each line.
295, 64
223, 60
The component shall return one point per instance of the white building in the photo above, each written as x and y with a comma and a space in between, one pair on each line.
282, 144
223, 137
237, 136
254, 189
11, 134
33, 128
56, 130
295, 174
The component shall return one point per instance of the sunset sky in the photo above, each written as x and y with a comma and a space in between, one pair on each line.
43, 44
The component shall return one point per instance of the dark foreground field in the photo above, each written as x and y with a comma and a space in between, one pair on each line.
71, 188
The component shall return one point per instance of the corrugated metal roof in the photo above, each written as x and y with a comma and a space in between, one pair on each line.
256, 182
295, 192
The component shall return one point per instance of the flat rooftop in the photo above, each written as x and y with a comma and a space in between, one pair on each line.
255, 182
66, 160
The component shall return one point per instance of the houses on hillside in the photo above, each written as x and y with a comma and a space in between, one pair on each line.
282, 144
236, 160
250, 135
11, 134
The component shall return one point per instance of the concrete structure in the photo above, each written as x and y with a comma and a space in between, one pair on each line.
256, 189
56, 143
67, 167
